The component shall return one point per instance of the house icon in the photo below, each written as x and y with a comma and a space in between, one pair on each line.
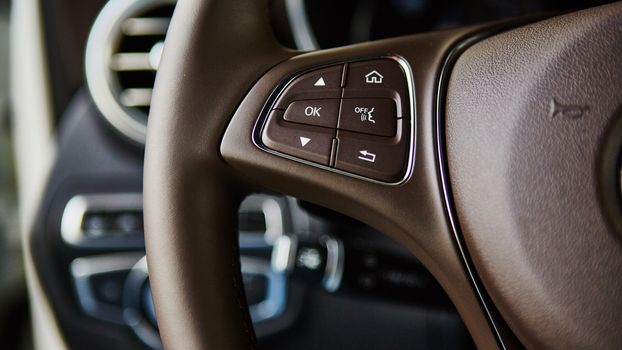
373, 77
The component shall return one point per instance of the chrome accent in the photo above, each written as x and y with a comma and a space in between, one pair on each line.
273, 210
84, 269
130, 61
301, 28
78, 206
145, 26
136, 97
263, 118
155, 55
334, 264
284, 254
103, 62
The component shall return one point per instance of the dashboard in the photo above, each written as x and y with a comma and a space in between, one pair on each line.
313, 278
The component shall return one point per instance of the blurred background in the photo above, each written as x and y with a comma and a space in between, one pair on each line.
14, 316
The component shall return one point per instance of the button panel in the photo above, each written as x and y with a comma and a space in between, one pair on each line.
353, 117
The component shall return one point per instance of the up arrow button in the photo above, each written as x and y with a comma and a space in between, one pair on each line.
324, 83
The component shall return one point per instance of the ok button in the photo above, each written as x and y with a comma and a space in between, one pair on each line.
314, 112
311, 111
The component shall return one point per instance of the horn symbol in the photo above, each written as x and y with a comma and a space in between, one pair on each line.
566, 111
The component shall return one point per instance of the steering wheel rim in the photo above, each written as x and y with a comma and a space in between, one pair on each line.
214, 81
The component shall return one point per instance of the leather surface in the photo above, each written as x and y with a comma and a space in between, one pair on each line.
190, 199
412, 213
526, 114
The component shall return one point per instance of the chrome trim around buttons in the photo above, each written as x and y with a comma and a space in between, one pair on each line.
263, 119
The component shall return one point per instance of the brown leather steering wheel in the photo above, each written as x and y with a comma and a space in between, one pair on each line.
511, 196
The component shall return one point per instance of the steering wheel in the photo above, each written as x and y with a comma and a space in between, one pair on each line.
495, 162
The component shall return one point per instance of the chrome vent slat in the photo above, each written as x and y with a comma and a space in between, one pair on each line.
144, 26
123, 53
130, 61
136, 97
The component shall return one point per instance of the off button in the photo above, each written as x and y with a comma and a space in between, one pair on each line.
369, 115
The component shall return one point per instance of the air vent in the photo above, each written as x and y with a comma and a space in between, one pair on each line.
122, 56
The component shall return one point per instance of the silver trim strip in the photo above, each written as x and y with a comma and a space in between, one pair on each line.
145, 26
78, 206
334, 264
130, 61
136, 97
273, 213
274, 210
284, 254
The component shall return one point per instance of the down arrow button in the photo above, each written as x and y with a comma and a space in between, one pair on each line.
311, 143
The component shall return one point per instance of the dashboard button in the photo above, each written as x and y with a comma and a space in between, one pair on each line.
379, 158
307, 142
367, 115
382, 78
314, 112
319, 84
